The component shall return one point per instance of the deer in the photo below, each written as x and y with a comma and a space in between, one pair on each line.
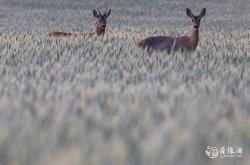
173, 44
101, 21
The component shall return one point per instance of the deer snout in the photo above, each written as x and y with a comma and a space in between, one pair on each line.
103, 26
196, 25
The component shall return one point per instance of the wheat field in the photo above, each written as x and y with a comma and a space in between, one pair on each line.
102, 101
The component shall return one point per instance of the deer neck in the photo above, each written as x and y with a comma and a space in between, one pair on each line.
194, 38
99, 31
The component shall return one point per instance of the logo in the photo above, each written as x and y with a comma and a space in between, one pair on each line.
224, 152
212, 152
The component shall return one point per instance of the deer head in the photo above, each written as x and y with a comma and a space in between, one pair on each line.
196, 18
101, 20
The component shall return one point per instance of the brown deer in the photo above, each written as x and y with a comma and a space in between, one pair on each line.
101, 21
184, 43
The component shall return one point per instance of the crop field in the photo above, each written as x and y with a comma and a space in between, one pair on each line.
101, 100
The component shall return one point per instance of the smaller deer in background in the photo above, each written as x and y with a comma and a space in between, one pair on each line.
101, 21
184, 43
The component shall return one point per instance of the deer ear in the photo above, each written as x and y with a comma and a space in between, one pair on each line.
203, 12
189, 12
95, 14
108, 13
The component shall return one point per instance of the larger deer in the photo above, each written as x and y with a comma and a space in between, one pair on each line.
184, 43
101, 21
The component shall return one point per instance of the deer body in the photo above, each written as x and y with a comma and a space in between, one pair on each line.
101, 20
183, 43
61, 34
